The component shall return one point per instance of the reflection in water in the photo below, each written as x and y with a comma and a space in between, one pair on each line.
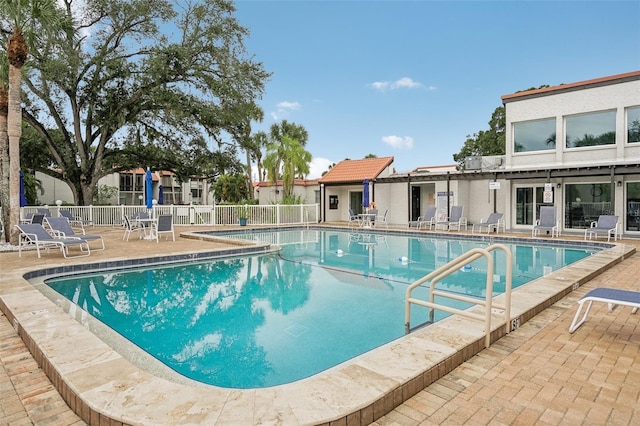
271, 319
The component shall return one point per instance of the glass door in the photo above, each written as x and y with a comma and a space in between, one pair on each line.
528, 202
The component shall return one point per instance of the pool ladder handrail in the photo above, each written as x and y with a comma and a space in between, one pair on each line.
453, 266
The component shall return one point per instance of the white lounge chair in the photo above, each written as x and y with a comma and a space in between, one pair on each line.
606, 224
74, 220
34, 233
428, 219
612, 296
61, 228
493, 222
547, 222
454, 220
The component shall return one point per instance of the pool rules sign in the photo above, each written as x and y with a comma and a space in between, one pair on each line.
547, 195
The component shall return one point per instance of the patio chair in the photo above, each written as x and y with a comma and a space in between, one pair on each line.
612, 296
34, 233
454, 220
607, 224
546, 222
354, 219
383, 219
74, 220
61, 228
493, 222
428, 219
164, 225
130, 226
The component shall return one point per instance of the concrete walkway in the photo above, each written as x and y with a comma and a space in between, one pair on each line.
538, 374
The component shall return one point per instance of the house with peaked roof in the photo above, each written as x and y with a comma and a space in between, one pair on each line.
342, 187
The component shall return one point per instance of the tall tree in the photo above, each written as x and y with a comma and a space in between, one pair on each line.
4, 145
153, 83
287, 159
277, 146
485, 142
27, 21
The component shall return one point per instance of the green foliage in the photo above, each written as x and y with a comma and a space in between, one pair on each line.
104, 194
230, 189
143, 98
485, 142
31, 188
286, 157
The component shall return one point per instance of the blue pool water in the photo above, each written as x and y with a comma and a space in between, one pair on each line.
265, 320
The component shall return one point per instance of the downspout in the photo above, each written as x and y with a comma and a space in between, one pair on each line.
495, 192
612, 189
448, 194
323, 203
409, 196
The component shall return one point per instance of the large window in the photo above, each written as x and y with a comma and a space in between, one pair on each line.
598, 128
633, 124
536, 135
584, 202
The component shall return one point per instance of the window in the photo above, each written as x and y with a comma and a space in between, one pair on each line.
536, 135
126, 182
633, 124
592, 129
633, 206
584, 202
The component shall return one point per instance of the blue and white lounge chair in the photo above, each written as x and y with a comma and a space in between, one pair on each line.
612, 296
74, 220
428, 219
547, 222
454, 220
493, 222
35, 234
606, 224
61, 228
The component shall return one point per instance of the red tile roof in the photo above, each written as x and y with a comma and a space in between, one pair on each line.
603, 81
350, 171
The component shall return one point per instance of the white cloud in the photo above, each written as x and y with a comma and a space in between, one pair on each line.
283, 108
380, 85
289, 105
318, 166
398, 142
403, 83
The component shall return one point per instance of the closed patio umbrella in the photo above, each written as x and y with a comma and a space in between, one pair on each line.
160, 195
365, 194
23, 196
149, 189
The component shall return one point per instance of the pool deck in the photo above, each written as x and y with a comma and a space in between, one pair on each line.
538, 373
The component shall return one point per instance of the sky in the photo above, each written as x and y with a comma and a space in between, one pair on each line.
413, 79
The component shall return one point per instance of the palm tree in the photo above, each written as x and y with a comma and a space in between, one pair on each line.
287, 160
277, 149
31, 19
4, 145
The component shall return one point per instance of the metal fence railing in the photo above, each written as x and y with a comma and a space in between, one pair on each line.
273, 214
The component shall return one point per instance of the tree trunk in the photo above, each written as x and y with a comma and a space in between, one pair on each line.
14, 131
4, 168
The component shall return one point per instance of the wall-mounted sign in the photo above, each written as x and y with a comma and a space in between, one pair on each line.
494, 185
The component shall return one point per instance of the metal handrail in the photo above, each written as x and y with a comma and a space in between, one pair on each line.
453, 266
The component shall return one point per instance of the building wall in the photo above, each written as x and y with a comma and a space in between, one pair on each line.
611, 97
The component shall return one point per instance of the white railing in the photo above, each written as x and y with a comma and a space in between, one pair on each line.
275, 214
488, 303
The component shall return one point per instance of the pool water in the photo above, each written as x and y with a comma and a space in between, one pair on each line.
259, 321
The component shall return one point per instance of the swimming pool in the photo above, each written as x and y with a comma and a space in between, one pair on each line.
326, 297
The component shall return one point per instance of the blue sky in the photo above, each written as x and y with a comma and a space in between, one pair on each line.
411, 79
